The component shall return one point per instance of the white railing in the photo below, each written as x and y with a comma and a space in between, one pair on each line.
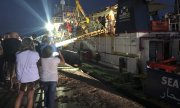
174, 22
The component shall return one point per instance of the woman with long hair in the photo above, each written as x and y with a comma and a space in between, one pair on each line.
27, 71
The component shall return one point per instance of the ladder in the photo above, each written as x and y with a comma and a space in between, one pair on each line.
92, 34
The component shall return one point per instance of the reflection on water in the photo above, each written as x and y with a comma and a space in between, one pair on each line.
65, 98
64, 91
69, 105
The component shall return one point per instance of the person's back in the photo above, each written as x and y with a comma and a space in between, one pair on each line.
11, 46
49, 65
49, 69
46, 41
1, 50
2, 79
27, 71
37, 46
27, 66
49, 75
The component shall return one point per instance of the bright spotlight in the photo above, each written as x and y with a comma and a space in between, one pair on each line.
49, 27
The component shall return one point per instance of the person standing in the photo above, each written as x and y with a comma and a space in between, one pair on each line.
11, 46
2, 79
49, 75
46, 40
27, 71
36, 44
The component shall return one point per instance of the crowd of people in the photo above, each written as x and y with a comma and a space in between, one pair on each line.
29, 63
25, 62
73, 26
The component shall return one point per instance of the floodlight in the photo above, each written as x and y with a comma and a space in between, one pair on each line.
49, 27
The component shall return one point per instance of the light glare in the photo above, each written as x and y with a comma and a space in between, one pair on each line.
49, 27
65, 42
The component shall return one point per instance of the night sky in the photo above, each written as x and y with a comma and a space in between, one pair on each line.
29, 16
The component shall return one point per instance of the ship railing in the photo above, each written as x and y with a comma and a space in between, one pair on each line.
174, 22
57, 19
90, 30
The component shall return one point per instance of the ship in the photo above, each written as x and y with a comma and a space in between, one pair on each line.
142, 37
128, 36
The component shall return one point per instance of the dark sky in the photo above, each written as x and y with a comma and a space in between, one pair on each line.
28, 16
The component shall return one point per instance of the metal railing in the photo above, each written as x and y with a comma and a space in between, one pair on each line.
174, 22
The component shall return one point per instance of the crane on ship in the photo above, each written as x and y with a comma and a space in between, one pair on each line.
79, 10
85, 23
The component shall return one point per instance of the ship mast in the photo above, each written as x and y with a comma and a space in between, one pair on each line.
176, 6
62, 3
